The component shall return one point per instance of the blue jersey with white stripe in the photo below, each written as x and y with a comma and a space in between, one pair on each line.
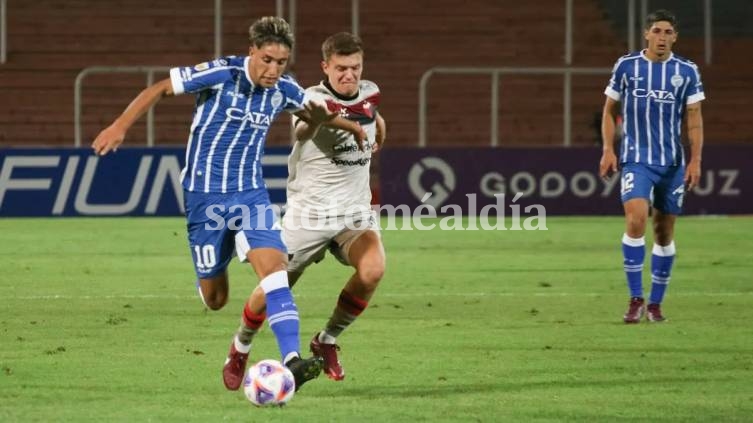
231, 119
653, 98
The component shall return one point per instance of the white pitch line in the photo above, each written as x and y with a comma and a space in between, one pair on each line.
395, 295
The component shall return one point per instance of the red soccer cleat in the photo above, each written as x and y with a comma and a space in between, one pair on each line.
653, 313
634, 311
328, 352
234, 369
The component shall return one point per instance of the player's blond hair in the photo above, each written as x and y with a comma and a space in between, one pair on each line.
271, 29
342, 43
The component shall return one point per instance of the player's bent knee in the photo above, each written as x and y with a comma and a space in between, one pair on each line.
214, 291
636, 219
371, 274
266, 261
216, 301
636, 224
265, 271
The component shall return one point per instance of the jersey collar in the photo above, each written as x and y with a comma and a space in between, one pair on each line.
338, 95
643, 55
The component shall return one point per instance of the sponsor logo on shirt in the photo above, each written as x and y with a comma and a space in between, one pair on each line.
234, 94
342, 162
659, 96
253, 119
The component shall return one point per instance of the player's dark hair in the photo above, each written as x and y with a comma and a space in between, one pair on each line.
659, 16
270, 29
342, 43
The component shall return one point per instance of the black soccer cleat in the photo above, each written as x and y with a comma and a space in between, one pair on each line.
304, 369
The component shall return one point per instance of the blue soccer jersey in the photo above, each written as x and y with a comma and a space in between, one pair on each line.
231, 119
653, 97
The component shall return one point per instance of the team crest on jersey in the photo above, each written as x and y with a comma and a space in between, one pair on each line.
367, 110
201, 66
276, 99
676, 80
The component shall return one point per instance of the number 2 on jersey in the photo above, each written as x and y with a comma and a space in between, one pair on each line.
627, 182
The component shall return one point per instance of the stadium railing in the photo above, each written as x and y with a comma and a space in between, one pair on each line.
3, 31
495, 73
567, 71
77, 98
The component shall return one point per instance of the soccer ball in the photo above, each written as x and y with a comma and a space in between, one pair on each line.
268, 382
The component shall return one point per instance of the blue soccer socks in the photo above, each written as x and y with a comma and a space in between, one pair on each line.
661, 267
282, 313
634, 252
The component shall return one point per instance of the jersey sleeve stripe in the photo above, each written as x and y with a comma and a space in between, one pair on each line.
695, 98
176, 81
211, 71
611, 93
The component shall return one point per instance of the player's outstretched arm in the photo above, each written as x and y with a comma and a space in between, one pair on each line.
354, 128
311, 118
695, 135
314, 115
608, 163
112, 136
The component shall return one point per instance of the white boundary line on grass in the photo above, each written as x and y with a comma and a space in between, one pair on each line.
395, 295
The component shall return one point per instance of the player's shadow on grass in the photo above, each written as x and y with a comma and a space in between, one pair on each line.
449, 389
654, 350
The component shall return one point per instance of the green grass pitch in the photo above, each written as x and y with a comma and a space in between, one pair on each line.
99, 321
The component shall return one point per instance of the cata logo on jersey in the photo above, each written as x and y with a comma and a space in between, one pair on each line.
659, 96
254, 119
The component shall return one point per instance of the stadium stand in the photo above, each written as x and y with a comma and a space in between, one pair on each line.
727, 79
50, 41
